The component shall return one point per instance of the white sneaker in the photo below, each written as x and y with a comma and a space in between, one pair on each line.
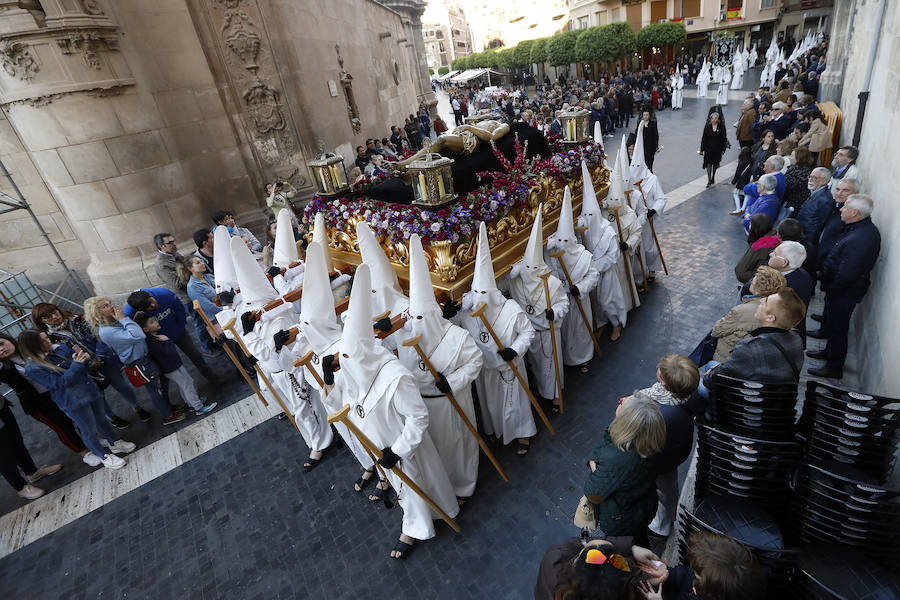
92, 460
111, 461
122, 447
29, 492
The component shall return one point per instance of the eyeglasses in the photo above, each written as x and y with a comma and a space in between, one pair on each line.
596, 557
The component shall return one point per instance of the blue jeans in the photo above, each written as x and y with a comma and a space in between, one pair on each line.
155, 394
92, 424
112, 370
702, 390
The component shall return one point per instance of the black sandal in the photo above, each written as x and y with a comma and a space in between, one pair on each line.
521, 447
403, 548
363, 481
312, 463
554, 409
377, 494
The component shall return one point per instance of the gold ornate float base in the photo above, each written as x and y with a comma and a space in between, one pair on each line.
452, 264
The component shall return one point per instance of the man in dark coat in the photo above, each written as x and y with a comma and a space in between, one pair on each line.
773, 353
845, 280
814, 212
833, 226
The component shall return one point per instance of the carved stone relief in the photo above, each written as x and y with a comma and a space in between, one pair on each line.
347, 84
265, 107
88, 43
17, 60
237, 31
92, 7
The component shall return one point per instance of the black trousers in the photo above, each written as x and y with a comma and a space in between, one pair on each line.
13, 453
838, 310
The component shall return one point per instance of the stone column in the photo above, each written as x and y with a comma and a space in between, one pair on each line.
832, 80
127, 132
412, 11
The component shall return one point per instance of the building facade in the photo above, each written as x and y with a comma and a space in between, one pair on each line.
126, 118
513, 21
446, 33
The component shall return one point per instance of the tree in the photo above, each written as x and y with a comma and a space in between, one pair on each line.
460, 64
430, 71
561, 48
539, 50
506, 58
444, 70
522, 53
616, 41
659, 35
588, 46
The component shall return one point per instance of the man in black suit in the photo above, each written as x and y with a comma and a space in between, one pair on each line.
845, 277
814, 212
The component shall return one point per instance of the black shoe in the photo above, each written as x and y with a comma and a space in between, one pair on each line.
826, 373
173, 418
818, 318
118, 422
817, 334
818, 355
142, 414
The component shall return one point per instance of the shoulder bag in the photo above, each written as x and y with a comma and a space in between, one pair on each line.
142, 371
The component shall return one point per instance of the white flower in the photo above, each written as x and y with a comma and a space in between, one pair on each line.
435, 227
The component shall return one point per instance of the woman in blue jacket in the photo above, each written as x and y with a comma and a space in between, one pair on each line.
74, 391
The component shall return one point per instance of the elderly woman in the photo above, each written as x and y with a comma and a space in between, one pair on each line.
622, 481
762, 198
741, 319
796, 190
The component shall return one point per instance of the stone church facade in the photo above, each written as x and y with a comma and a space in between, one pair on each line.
125, 118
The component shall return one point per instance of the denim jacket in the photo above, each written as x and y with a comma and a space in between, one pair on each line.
71, 389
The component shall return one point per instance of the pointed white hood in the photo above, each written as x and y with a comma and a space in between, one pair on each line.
256, 291
285, 252
533, 259
318, 320
484, 282
638, 170
577, 261
226, 279
598, 133
615, 196
386, 294
589, 204
360, 357
320, 236
425, 316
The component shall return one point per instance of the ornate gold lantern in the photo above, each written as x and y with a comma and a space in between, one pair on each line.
575, 126
431, 180
329, 174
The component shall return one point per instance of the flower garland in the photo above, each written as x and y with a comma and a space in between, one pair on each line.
504, 192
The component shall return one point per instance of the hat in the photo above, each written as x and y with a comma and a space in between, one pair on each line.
534, 251
285, 251
320, 236
589, 205
358, 325
256, 291
421, 292
483, 280
226, 279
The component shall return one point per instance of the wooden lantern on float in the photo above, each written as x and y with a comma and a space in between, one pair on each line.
329, 174
575, 126
431, 180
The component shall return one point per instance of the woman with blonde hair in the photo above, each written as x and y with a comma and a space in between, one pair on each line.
741, 319
74, 391
622, 481
129, 342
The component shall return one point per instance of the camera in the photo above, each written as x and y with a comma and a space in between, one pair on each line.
279, 185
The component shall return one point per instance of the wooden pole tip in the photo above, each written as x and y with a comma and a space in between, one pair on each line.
413, 341
339, 415
479, 311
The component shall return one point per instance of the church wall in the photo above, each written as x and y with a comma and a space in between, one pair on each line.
877, 344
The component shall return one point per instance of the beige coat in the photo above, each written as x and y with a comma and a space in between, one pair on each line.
734, 327
818, 137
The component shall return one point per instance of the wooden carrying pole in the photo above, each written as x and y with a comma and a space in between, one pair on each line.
414, 343
230, 327
479, 313
626, 259
342, 416
587, 323
594, 311
652, 228
559, 394
304, 361
237, 364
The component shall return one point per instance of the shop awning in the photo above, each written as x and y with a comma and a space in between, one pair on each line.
468, 74
446, 76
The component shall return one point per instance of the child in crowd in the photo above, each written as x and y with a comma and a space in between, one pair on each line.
720, 567
741, 178
165, 354
677, 378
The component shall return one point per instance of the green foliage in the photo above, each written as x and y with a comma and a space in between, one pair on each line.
430, 71
658, 35
561, 48
539, 50
588, 46
506, 58
522, 53
616, 41
444, 70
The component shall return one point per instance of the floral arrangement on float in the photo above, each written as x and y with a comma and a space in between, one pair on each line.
505, 203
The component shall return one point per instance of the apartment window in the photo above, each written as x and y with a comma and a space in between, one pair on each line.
440, 35
692, 8
766, 4
604, 17
582, 22
441, 47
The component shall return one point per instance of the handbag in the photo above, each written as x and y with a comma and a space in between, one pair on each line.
585, 516
705, 350
142, 371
